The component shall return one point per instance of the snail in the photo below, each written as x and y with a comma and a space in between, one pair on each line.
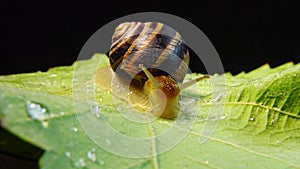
148, 62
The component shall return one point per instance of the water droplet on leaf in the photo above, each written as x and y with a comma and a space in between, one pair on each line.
256, 84
251, 118
37, 111
79, 163
272, 122
91, 155
74, 129
95, 110
68, 154
45, 124
53, 75
223, 117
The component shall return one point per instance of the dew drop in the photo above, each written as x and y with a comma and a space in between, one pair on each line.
277, 142
62, 113
68, 154
79, 163
206, 161
251, 118
37, 111
272, 122
53, 75
91, 155
223, 117
74, 129
95, 110
256, 84
45, 124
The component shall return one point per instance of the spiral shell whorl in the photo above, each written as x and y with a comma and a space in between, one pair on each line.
155, 45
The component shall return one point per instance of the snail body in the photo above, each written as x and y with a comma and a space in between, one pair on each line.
148, 62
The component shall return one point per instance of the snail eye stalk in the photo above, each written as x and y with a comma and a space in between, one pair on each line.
150, 76
192, 82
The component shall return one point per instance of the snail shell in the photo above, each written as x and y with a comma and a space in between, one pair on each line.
155, 59
158, 47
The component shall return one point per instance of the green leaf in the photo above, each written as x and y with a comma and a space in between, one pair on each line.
61, 112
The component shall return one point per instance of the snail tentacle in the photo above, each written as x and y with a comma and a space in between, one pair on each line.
192, 82
150, 76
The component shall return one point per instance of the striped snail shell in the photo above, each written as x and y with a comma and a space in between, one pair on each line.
154, 57
157, 46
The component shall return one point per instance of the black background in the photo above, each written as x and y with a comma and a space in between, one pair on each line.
38, 36
246, 34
